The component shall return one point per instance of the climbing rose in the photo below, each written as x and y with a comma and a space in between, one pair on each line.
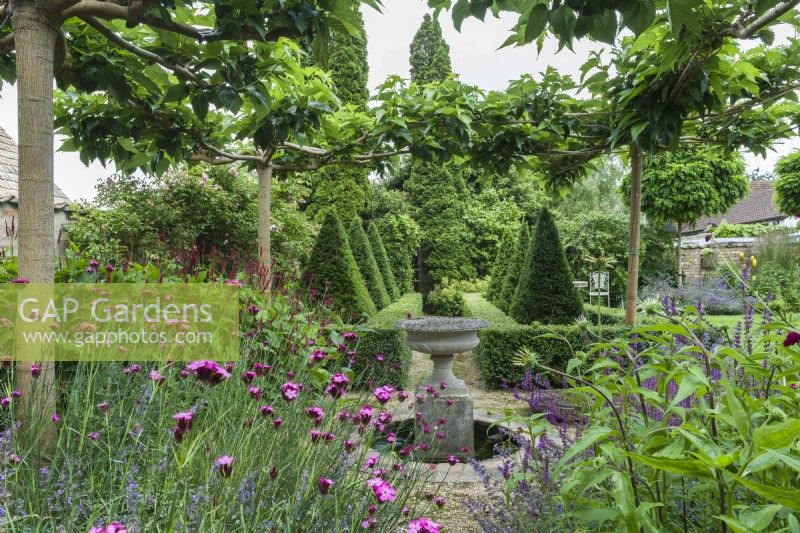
225, 464
290, 390
791, 339
209, 371
113, 527
423, 525
324, 485
384, 492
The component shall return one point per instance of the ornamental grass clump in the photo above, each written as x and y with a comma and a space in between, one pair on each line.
275, 441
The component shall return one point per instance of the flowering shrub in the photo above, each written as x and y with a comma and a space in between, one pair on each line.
264, 443
679, 430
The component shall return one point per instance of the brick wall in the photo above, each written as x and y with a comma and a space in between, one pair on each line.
700, 261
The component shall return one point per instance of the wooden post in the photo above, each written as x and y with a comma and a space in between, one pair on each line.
632, 292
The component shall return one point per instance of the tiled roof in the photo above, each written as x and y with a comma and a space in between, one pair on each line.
9, 173
757, 206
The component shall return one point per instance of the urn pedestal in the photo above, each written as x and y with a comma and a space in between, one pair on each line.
443, 397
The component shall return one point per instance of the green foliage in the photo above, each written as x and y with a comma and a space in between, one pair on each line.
365, 259
502, 261
430, 54
331, 270
490, 216
446, 301
348, 64
382, 259
391, 214
504, 338
687, 184
480, 307
380, 337
602, 315
345, 188
437, 197
781, 282
695, 446
514, 269
787, 187
341, 188
728, 230
545, 292
602, 236
133, 218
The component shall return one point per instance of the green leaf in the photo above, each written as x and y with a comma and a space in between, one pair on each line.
689, 384
537, 22
776, 436
739, 414
563, 21
200, 106
681, 13
759, 519
682, 467
588, 439
638, 15
623, 495
786, 497
604, 26
794, 525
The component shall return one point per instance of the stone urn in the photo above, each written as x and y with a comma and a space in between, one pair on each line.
445, 396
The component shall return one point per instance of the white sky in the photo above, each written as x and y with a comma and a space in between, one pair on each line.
474, 54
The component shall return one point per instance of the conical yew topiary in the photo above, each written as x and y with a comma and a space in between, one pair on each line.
362, 252
382, 258
503, 258
331, 269
514, 269
545, 292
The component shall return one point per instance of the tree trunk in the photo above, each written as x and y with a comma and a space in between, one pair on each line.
35, 38
680, 237
632, 293
264, 220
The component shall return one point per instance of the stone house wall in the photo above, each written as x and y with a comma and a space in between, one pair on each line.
700, 261
8, 213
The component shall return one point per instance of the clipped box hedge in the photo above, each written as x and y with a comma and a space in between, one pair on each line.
501, 341
379, 336
498, 346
